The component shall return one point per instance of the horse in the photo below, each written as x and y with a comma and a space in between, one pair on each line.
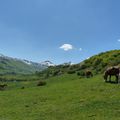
88, 74
112, 71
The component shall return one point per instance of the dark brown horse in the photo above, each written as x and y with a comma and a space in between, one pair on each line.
112, 71
88, 74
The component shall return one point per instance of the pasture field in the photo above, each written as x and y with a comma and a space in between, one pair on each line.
65, 97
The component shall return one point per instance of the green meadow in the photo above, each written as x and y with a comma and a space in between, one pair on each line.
65, 97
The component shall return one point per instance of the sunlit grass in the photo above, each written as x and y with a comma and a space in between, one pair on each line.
63, 98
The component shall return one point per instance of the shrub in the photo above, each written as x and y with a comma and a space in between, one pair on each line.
41, 83
97, 61
56, 72
81, 73
83, 66
47, 74
78, 73
71, 72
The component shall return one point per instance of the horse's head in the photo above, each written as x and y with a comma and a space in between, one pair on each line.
105, 76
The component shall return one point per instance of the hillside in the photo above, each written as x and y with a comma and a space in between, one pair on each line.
9, 65
100, 62
97, 64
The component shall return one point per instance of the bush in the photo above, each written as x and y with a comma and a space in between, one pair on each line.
47, 75
97, 61
56, 72
71, 72
81, 73
83, 66
41, 83
78, 73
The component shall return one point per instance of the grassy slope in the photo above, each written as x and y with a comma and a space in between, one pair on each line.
63, 98
98, 63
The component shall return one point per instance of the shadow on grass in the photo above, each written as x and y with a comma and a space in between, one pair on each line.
112, 82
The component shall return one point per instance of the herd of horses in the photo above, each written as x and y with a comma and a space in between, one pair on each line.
109, 72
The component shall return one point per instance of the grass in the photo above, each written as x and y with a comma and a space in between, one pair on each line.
64, 97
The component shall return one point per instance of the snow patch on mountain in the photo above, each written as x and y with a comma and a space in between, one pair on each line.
27, 62
47, 63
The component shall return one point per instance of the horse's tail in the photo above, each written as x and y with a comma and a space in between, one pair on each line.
119, 76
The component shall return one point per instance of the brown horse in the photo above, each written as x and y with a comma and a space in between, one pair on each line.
112, 71
88, 74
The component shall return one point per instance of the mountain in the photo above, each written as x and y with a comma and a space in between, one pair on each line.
9, 65
47, 63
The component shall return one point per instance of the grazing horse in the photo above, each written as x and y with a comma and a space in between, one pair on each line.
88, 74
112, 71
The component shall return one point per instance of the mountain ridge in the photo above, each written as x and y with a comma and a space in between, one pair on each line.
10, 65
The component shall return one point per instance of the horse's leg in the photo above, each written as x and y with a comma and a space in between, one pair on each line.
91, 75
106, 77
117, 77
110, 78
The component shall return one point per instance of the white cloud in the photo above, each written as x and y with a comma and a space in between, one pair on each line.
80, 49
118, 40
66, 47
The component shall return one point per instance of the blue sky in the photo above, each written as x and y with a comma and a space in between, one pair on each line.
58, 30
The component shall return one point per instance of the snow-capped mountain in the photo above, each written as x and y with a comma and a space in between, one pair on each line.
1, 55
15, 65
47, 63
